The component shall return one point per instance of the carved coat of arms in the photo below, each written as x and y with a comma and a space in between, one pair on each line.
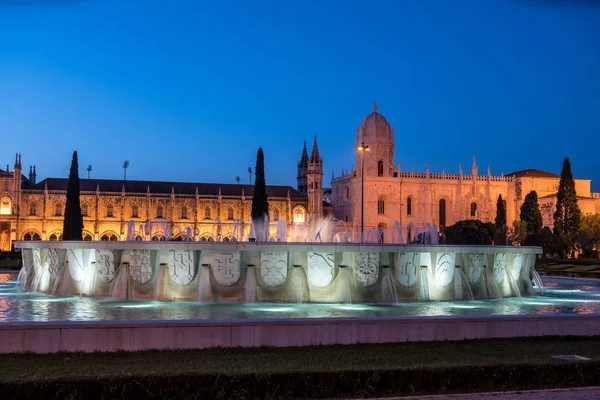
321, 268
366, 268
225, 266
273, 267
181, 266
105, 264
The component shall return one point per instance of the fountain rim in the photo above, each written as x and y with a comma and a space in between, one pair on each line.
275, 246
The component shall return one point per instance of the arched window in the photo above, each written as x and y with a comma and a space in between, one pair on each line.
31, 235
473, 209
58, 209
409, 206
346, 193
409, 234
84, 210
5, 206
207, 213
109, 236
299, 215
109, 211
442, 221
275, 215
159, 238
87, 236
184, 212
159, 212
230, 213
380, 206
380, 168
56, 236
32, 209
134, 212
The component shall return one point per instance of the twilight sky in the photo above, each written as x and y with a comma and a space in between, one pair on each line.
187, 90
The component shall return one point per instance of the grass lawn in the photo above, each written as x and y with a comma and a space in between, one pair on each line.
328, 371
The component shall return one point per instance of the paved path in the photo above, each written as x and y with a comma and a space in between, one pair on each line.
590, 393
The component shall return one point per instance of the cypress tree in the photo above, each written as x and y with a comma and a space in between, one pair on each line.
500, 223
73, 223
530, 213
260, 204
567, 217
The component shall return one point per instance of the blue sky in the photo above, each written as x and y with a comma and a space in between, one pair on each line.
188, 90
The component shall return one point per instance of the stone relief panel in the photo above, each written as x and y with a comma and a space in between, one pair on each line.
274, 267
37, 260
499, 267
408, 268
321, 268
27, 259
140, 269
53, 263
475, 267
366, 268
515, 272
105, 264
225, 266
181, 266
79, 261
444, 268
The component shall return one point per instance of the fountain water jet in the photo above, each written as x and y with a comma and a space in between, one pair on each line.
161, 291
205, 294
250, 286
121, 285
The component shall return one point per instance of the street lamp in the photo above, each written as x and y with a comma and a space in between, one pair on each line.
362, 148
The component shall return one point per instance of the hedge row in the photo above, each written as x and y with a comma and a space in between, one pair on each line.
314, 385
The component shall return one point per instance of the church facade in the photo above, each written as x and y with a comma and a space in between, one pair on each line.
377, 193
31, 210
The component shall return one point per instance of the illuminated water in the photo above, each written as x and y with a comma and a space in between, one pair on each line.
561, 296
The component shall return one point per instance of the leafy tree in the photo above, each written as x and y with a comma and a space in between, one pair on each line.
551, 244
531, 214
588, 236
73, 223
500, 223
567, 217
518, 232
470, 231
260, 204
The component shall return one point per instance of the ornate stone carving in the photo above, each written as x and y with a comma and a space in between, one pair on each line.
181, 266
475, 267
408, 268
366, 268
53, 265
139, 265
27, 259
105, 265
320, 268
225, 266
499, 267
273, 267
444, 268
517, 266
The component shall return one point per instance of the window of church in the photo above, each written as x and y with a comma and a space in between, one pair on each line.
207, 213
230, 213
442, 214
473, 209
380, 206
87, 237
32, 210
109, 211
31, 235
184, 213
109, 236
58, 210
84, 210
56, 236
380, 168
298, 215
134, 212
346, 193
408, 206
275, 215
159, 212
5, 206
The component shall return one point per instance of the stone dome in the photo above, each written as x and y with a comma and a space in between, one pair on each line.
375, 126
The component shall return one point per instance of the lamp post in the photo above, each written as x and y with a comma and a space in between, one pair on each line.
362, 148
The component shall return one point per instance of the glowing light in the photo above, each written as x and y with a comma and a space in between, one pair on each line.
276, 309
356, 307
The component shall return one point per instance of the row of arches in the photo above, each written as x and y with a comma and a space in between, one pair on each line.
58, 235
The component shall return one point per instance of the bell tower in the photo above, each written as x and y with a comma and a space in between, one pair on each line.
302, 171
315, 183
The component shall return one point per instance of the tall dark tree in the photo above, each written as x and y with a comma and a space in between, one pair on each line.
260, 203
500, 223
73, 224
567, 217
530, 213
470, 231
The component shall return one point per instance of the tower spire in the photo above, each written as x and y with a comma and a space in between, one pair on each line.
315, 158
